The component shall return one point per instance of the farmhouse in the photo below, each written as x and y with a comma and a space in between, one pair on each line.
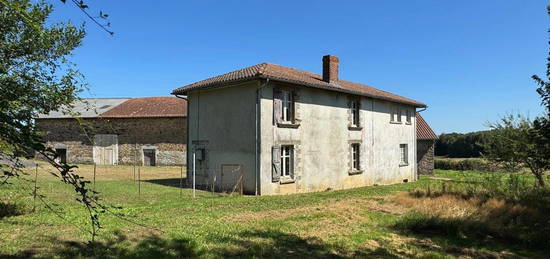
127, 131
270, 129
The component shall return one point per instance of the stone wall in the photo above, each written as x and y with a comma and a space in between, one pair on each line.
425, 156
167, 136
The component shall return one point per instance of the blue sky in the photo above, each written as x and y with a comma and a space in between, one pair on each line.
470, 61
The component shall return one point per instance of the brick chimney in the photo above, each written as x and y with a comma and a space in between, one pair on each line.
330, 68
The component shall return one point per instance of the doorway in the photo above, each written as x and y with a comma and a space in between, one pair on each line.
149, 157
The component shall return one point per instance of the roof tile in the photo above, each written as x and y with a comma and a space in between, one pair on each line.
295, 76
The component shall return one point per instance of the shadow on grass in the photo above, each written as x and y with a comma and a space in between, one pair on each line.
10, 210
170, 182
247, 244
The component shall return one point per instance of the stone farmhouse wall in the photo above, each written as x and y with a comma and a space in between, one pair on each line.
167, 136
425, 156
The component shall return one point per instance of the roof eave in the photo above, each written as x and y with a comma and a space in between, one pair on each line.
183, 90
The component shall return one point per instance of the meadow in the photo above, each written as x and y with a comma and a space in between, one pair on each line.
451, 214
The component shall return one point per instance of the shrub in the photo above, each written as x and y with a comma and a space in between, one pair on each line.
470, 164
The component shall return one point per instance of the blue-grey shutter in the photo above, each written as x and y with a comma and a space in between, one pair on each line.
277, 106
276, 162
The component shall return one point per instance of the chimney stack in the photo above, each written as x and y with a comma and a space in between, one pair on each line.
330, 68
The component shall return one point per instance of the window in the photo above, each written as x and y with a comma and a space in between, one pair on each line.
288, 106
404, 152
355, 154
396, 114
287, 161
149, 157
355, 109
409, 115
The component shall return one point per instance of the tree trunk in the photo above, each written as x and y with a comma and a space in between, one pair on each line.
539, 176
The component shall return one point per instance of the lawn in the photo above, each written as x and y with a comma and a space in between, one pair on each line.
163, 220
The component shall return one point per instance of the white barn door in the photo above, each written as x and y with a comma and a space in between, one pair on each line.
105, 149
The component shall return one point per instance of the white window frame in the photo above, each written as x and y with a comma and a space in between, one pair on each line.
287, 161
403, 154
355, 113
355, 156
288, 106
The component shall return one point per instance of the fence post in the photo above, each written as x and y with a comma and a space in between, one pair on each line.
194, 174
34, 192
139, 181
181, 181
94, 175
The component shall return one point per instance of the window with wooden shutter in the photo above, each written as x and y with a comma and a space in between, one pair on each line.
277, 106
276, 163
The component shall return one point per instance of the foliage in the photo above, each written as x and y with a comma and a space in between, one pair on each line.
469, 164
461, 145
514, 144
36, 77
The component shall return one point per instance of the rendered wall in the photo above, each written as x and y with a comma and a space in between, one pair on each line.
322, 143
221, 121
166, 135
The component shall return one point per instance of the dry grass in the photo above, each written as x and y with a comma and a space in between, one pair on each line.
492, 210
105, 172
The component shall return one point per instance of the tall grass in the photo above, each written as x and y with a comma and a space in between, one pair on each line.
507, 208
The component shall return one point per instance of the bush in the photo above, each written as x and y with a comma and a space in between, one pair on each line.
470, 164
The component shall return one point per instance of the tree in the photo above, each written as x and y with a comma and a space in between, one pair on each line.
513, 145
37, 77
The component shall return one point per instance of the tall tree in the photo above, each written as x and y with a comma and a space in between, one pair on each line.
36, 77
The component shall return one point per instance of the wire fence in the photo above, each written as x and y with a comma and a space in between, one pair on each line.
144, 182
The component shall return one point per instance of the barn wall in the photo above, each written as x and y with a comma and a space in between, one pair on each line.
425, 156
166, 135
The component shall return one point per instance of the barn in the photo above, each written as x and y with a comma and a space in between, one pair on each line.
119, 131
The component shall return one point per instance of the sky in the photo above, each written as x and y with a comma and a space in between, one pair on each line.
470, 61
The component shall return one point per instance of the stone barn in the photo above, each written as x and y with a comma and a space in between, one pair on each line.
425, 141
119, 131
292, 131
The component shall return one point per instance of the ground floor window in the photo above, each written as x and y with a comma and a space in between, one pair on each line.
287, 161
404, 151
355, 156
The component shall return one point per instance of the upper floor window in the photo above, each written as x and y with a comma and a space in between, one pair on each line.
395, 114
408, 116
284, 108
288, 106
404, 154
355, 113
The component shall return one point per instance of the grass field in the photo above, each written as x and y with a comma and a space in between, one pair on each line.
378, 221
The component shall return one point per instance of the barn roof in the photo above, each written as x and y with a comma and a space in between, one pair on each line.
149, 107
165, 106
294, 76
423, 130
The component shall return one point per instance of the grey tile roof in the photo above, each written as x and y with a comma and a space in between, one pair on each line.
87, 108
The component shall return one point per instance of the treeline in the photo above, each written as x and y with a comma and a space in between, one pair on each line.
461, 145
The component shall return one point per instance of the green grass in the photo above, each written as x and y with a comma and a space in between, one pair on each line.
323, 224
